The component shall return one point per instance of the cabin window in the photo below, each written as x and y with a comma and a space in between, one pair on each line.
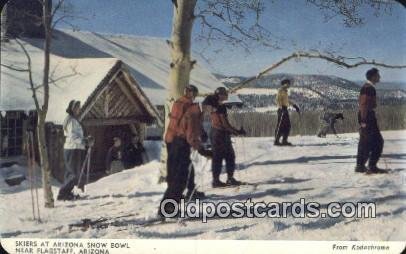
11, 138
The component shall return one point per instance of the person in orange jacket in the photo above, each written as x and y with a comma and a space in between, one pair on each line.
183, 134
179, 108
221, 139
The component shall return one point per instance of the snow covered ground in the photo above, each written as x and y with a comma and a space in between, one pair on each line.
319, 170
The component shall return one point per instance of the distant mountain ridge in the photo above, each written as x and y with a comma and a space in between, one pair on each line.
273, 81
313, 91
298, 80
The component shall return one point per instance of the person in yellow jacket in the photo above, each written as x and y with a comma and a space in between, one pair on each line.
283, 125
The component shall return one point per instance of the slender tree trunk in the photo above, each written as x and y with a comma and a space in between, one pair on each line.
46, 171
181, 64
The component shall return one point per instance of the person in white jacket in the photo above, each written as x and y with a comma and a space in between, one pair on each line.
74, 151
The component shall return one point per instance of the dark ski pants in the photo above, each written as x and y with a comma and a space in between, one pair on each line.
178, 169
283, 126
222, 150
324, 129
73, 159
191, 182
371, 142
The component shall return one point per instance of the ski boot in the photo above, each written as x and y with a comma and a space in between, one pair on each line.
286, 143
231, 181
68, 197
375, 170
196, 195
360, 169
218, 184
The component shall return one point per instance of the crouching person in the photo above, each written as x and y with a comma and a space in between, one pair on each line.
186, 130
327, 123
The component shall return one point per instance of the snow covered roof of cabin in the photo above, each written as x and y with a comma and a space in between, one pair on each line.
146, 58
71, 78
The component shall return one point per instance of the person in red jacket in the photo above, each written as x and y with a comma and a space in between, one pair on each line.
370, 144
183, 134
221, 140
179, 108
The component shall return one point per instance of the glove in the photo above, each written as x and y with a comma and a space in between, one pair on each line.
296, 108
205, 152
242, 132
340, 116
204, 136
89, 141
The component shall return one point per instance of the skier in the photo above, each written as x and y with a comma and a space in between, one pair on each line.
221, 140
327, 123
74, 151
283, 125
370, 144
183, 133
209, 105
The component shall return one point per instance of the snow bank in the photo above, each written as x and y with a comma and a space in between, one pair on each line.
319, 170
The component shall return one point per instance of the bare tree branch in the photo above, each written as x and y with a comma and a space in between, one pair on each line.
62, 12
11, 67
55, 80
338, 60
56, 8
350, 10
227, 20
29, 71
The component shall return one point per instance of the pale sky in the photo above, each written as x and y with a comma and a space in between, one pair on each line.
300, 24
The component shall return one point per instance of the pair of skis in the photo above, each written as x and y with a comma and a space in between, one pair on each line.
29, 145
85, 166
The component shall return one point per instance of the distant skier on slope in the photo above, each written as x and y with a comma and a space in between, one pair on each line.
370, 144
327, 123
221, 139
183, 133
283, 126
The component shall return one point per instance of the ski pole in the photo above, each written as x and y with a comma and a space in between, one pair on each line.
83, 168
300, 129
34, 176
187, 183
245, 158
279, 125
88, 165
28, 147
189, 173
242, 167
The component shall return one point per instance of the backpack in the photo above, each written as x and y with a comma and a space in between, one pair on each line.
179, 109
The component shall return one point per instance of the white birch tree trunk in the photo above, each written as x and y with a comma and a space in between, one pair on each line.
181, 64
